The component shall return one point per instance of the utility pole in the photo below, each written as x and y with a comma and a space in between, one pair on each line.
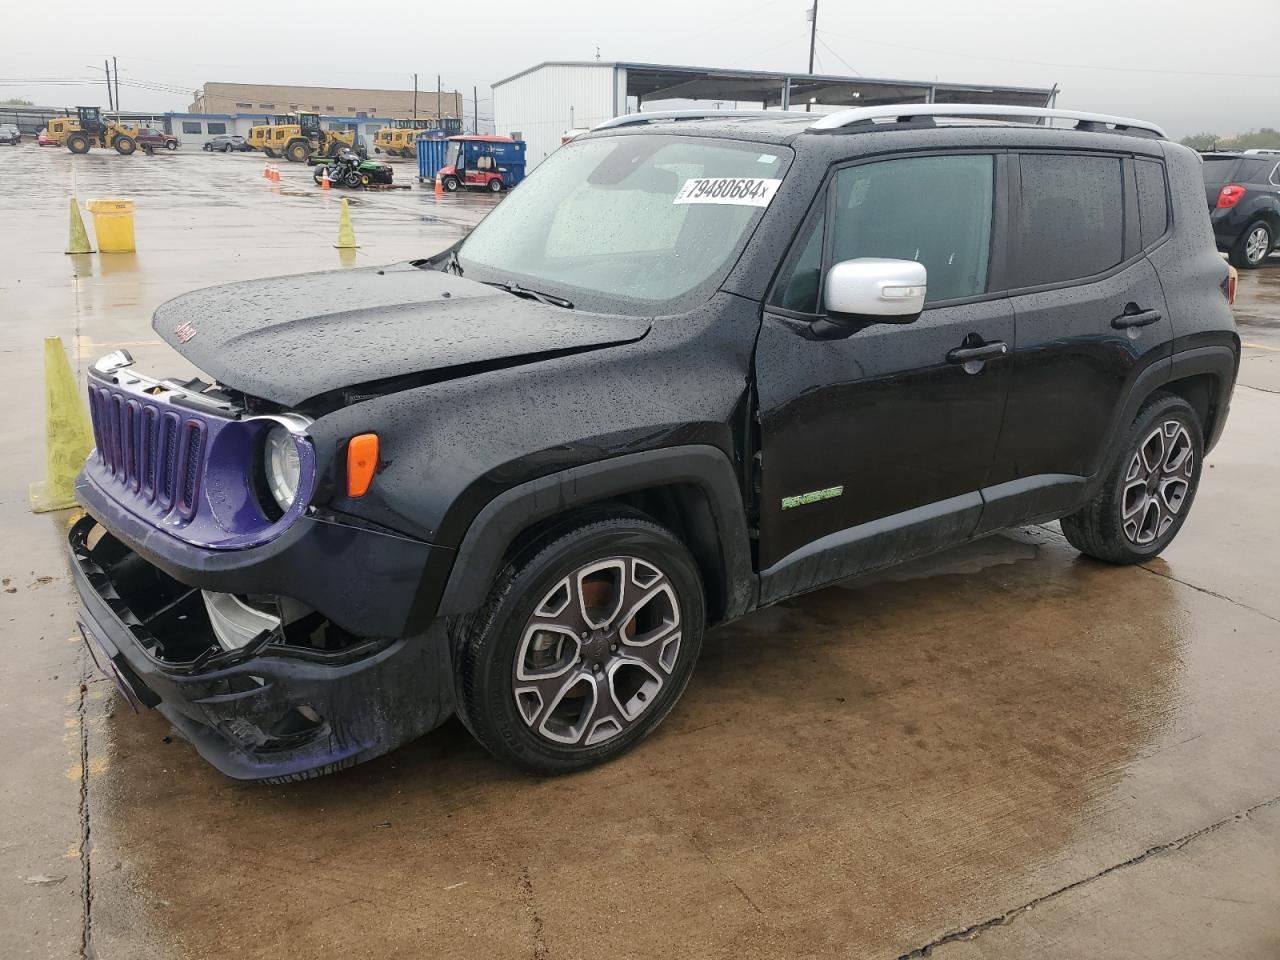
475, 109
415, 96
116, 70
439, 94
106, 69
813, 39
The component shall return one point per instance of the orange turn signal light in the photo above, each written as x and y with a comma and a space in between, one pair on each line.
362, 461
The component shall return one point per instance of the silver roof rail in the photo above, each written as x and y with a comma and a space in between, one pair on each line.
847, 118
632, 118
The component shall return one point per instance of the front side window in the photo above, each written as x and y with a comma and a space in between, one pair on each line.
933, 210
630, 224
1070, 223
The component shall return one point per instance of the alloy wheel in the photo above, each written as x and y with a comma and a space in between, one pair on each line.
1157, 483
1258, 245
597, 651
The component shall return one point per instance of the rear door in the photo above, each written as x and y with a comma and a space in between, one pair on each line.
1090, 316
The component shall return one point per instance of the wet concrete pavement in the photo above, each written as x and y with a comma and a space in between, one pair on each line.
1002, 751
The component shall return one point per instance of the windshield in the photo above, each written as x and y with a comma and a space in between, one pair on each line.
629, 224
451, 155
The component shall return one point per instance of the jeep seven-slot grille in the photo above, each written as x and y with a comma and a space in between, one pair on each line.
154, 451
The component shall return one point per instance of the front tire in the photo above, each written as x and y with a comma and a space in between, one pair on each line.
298, 152
125, 145
1149, 489
451, 184
1252, 247
585, 644
495, 185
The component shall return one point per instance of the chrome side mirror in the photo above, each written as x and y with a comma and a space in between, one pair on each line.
871, 290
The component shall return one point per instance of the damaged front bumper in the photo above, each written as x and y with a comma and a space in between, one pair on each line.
268, 710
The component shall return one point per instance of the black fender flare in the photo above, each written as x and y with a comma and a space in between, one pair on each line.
480, 554
1217, 360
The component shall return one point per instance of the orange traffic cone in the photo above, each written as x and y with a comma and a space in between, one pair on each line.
275, 172
266, 170
439, 186
324, 179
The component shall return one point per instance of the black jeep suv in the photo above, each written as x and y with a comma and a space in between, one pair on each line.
1243, 190
696, 365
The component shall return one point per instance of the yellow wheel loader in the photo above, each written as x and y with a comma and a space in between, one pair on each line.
270, 137
399, 139
88, 128
299, 137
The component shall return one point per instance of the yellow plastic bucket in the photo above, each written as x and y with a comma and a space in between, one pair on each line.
113, 224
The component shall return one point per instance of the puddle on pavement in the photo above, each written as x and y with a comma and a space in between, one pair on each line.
922, 742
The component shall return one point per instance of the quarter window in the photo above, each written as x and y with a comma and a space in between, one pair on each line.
1070, 224
1153, 204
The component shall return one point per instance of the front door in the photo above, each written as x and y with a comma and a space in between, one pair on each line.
874, 447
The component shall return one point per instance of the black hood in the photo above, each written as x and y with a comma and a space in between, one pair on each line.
288, 339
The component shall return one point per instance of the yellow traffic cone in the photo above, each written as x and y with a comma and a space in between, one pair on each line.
79, 241
346, 233
68, 438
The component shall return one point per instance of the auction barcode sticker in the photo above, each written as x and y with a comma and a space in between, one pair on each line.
747, 191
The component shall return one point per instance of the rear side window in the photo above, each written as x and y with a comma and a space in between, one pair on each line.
1070, 224
1153, 204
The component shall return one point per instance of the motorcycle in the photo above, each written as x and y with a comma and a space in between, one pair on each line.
349, 169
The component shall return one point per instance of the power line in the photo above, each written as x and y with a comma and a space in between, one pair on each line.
848, 66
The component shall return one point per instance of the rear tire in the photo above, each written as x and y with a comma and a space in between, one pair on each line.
624, 612
1252, 247
271, 154
78, 143
1149, 488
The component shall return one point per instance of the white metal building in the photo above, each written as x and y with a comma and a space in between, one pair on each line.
542, 103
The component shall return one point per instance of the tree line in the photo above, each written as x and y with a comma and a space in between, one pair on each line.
1264, 139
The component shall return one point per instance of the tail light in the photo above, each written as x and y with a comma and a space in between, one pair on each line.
1230, 195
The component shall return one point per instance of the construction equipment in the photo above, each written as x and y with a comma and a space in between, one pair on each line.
88, 128
263, 136
398, 140
300, 136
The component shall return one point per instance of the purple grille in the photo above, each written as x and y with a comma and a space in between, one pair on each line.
138, 445
185, 469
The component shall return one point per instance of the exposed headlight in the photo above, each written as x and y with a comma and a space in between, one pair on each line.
282, 466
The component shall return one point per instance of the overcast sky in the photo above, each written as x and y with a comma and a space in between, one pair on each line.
1187, 64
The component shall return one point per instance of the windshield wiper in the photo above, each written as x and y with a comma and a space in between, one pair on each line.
452, 265
519, 291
